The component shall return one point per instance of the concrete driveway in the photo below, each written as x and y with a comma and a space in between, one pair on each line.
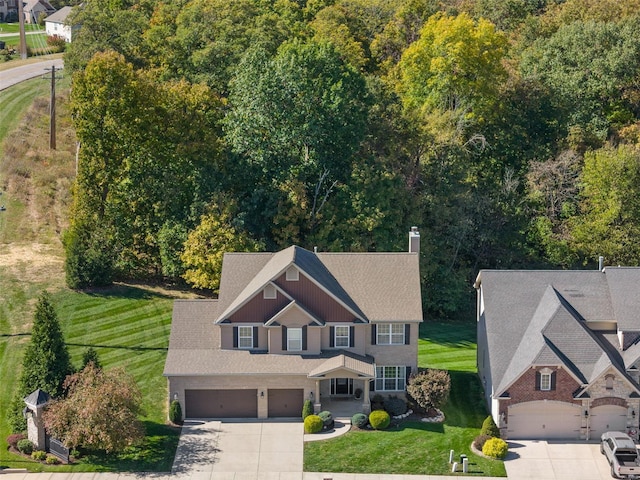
210, 447
555, 460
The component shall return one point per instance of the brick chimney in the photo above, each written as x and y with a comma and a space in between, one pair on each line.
414, 240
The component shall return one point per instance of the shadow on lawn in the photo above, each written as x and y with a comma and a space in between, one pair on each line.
120, 347
466, 407
155, 454
125, 291
451, 334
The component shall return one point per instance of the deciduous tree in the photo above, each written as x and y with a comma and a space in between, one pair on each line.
100, 411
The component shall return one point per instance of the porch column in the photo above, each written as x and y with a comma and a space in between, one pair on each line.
366, 403
317, 406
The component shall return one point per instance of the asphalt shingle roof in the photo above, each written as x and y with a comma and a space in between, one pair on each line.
542, 317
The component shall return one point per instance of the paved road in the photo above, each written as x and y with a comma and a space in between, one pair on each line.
25, 72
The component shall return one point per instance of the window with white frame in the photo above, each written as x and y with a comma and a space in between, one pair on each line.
294, 339
341, 336
390, 333
292, 274
245, 337
391, 378
545, 381
269, 292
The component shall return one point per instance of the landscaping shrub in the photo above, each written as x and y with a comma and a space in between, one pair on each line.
430, 388
480, 440
307, 409
313, 424
377, 402
490, 428
379, 419
175, 412
25, 446
360, 420
495, 448
39, 455
56, 43
14, 438
327, 419
395, 406
52, 460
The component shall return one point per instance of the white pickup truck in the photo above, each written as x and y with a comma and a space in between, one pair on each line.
622, 455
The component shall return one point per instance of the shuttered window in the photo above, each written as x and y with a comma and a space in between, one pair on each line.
391, 378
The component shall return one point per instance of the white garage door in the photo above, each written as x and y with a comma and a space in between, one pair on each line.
606, 418
541, 420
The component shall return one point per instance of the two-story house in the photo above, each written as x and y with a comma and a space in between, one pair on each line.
296, 325
559, 351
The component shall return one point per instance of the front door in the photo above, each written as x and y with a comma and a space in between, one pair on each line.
341, 386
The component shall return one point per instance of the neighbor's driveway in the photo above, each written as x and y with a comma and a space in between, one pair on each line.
216, 447
555, 460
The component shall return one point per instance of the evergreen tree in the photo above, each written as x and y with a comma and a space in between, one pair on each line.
46, 362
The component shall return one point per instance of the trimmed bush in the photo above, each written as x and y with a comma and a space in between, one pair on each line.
25, 446
480, 440
14, 438
360, 420
377, 402
395, 406
175, 412
313, 424
379, 419
327, 419
430, 388
307, 409
52, 460
495, 448
39, 455
490, 428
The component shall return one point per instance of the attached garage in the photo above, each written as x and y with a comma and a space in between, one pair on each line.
221, 403
285, 402
607, 418
544, 420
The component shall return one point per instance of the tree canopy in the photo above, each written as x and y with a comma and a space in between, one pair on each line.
499, 128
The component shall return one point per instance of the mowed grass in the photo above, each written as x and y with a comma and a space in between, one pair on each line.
416, 448
15, 101
129, 328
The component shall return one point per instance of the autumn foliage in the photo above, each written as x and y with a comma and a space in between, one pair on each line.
100, 411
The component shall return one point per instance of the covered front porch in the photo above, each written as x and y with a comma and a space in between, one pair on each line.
342, 385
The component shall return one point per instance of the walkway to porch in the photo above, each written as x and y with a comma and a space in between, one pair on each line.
342, 407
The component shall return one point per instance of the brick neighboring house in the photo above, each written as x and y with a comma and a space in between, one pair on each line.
296, 325
559, 351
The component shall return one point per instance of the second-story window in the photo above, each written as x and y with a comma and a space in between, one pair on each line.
245, 337
545, 381
390, 334
342, 336
294, 339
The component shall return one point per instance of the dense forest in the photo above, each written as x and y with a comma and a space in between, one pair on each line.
508, 131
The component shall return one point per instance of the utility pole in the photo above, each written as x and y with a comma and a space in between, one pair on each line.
52, 110
23, 37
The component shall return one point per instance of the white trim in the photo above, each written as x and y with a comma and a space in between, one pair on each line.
289, 306
390, 334
342, 337
270, 292
292, 274
245, 337
289, 340
399, 378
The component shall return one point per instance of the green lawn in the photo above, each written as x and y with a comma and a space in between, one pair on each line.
38, 40
15, 28
416, 448
128, 327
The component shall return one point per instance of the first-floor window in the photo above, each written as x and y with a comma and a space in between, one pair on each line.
294, 339
245, 337
545, 381
391, 378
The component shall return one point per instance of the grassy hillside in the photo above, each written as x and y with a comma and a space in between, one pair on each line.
127, 325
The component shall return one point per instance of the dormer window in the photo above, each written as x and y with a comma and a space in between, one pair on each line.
269, 292
292, 275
